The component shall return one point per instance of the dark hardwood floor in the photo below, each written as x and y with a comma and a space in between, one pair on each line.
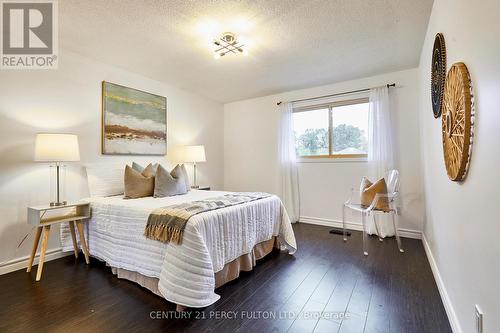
384, 292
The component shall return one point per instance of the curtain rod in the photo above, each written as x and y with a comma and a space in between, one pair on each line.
339, 94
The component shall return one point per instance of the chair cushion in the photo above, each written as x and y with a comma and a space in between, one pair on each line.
368, 191
139, 184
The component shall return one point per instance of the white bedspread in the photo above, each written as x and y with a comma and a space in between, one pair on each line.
211, 239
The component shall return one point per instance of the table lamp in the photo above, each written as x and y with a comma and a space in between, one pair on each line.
56, 148
193, 154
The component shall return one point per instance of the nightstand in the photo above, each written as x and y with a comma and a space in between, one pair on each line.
204, 188
45, 216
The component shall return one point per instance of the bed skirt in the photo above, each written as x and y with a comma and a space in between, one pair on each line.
229, 272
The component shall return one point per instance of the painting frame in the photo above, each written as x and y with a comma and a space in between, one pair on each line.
160, 147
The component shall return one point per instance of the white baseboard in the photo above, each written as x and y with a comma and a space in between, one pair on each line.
22, 263
448, 306
355, 226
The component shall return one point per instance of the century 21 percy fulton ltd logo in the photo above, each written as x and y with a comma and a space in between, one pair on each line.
29, 35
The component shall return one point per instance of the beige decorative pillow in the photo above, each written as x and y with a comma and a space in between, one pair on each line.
369, 190
139, 184
169, 183
150, 170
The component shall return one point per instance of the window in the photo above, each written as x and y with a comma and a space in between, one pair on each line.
336, 130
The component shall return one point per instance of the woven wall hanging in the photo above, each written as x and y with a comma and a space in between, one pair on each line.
438, 74
457, 121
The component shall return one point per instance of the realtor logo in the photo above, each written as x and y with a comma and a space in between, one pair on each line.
29, 34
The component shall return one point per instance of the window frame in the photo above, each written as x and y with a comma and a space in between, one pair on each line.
330, 106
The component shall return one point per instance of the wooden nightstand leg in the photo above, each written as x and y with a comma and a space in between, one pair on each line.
45, 241
73, 237
36, 240
83, 243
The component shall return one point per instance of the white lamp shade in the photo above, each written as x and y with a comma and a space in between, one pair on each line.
51, 147
191, 154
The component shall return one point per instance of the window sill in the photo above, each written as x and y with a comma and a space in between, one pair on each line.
332, 160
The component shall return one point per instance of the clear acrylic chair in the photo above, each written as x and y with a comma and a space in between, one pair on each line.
354, 203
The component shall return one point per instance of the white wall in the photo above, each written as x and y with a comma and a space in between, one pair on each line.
250, 150
462, 227
69, 100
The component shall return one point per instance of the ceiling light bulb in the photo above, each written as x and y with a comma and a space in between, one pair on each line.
245, 52
216, 56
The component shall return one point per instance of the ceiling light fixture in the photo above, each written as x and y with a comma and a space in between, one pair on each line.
227, 43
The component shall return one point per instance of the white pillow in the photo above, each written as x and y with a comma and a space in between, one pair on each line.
105, 180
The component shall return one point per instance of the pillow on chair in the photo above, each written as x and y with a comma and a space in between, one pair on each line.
369, 190
139, 184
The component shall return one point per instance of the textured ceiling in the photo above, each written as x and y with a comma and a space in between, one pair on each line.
293, 44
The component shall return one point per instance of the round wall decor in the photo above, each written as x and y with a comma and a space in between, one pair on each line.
438, 74
457, 121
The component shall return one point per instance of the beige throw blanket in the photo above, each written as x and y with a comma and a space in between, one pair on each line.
167, 224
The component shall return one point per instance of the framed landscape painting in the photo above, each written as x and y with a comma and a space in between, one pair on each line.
134, 122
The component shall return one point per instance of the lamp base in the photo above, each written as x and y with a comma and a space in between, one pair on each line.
57, 204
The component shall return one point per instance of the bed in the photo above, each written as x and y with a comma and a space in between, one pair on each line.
216, 244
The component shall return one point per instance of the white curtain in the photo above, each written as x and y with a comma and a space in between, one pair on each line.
288, 163
380, 130
380, 148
